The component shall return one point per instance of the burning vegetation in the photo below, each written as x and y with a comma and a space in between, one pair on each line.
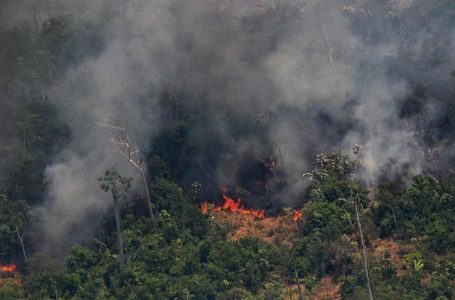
245, 93
10, 270
237, 207
253, 222
9, 276
297, 215
233, 206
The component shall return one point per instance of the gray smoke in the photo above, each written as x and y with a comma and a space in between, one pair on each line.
318, 75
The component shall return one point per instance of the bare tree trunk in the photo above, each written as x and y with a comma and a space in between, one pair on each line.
290, 290
298, 284
147, 191
364, 248
118, 228
394, 218
35, 18
21, 242
123, 146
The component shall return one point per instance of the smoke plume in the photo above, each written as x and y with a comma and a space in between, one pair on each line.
312, 75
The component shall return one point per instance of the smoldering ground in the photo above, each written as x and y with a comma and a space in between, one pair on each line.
280, 79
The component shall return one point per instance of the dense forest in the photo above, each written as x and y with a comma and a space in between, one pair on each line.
256, 149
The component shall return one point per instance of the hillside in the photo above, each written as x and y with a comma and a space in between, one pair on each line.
228, 149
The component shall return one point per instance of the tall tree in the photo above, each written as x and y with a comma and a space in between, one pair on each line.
122, 144
118, 186
354, 198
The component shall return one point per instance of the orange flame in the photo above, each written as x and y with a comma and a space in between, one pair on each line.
11, 269
297, 215
204, 208
234, 207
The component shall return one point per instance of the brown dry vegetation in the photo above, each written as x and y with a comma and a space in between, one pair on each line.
278, 229
325, 289
392, 250
281, 230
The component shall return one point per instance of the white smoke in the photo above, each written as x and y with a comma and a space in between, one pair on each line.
329, 74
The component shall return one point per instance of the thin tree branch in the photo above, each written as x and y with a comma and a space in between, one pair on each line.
124, 142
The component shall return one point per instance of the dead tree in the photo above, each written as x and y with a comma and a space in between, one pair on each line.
298, 284
351, 167
122, 144
16, 221
356, 164
35, 17
366, 263
118, 186
21, 242
354, 200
